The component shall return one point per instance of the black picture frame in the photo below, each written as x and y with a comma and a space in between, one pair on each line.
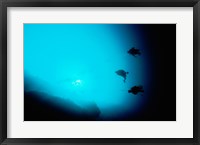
4, 4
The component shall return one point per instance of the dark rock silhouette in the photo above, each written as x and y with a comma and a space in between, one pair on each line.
122, 73
92, 110
134, 51
39, 106
136, 89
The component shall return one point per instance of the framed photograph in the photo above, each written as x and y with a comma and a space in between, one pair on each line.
108, 72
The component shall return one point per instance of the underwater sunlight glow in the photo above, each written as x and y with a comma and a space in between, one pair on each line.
78, 62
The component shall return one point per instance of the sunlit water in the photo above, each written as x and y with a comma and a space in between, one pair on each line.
78, 62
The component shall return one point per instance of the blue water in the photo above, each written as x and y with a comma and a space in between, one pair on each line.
78, 62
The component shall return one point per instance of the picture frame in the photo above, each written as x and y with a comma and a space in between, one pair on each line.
111, 3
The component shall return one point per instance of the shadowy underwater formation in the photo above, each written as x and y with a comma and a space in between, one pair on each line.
39, 106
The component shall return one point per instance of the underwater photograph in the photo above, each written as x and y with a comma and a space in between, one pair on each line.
99, 72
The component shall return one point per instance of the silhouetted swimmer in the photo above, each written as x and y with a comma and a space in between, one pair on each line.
133, 51
122, 73
136, 89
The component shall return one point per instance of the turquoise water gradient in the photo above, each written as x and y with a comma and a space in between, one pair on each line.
78, 62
